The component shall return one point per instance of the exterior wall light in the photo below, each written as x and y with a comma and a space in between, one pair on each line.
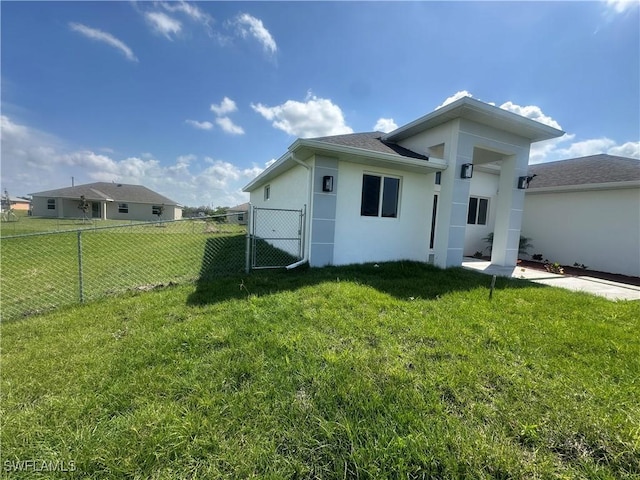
467, 170
523, 182
327, 183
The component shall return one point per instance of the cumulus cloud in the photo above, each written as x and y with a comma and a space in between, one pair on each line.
35, 161
250, 26
190, 10
453, 98
315, 117
226, 106
621, 6
385, 125
531, 111
200, 125
228, 126
104, 37
163, 24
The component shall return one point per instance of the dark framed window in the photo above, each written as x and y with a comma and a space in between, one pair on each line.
267, 192
51, 204
157, 210
380, 196
438, 178
123, 208
478, 211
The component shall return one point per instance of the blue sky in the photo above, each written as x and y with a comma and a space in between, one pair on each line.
193, 99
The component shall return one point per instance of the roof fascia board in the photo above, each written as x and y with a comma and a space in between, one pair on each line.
583, 187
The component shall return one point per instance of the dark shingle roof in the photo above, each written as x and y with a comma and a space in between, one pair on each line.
118, 192
370, 141
585, 170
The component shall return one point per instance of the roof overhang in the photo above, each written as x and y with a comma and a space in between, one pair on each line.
479, 112
303, 149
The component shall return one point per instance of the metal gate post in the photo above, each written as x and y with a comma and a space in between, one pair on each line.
247, 253
80, 278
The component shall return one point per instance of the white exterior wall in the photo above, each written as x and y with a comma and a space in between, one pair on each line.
374, 239
39, 207
142, 212
483, 185
597, 228
68, 208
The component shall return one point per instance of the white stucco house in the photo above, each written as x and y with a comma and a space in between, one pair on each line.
421, 192
115, 201
587, 211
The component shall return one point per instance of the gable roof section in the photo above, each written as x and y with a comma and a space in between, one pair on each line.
594, 171
478, 112
111, 192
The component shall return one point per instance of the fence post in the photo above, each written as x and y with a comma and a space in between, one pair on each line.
247, 249
80, 279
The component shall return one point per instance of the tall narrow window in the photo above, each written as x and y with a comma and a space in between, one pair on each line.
478, 211
438, 178
433, 221
380, 196
267, 192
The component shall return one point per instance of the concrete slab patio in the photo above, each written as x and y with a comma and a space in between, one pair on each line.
594, 286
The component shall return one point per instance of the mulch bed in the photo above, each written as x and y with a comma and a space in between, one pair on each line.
581, 272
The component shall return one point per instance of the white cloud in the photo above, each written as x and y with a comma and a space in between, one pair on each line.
104, 37
189, 9
163, 24
453, 98
532, 112
228, 126
226, 106
200, 125
385, 125
248, 25
34, 161
621, 6
315, 117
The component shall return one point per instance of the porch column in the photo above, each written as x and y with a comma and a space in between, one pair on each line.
103, 210
510, 204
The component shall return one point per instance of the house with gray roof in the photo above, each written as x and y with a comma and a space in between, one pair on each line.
586, 211
104, 200
421, 192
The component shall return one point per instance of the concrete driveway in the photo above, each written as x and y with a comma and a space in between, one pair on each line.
594, 286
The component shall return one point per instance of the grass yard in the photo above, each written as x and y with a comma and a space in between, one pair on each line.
396, 371
41, 272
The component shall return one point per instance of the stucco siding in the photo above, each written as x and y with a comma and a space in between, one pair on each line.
483, 185
361, 239
597, 228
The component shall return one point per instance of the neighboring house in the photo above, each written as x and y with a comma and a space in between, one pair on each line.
238, 215
586, 211
16, 203
115, 201
411, 193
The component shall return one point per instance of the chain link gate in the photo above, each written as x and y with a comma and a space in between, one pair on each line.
276, 237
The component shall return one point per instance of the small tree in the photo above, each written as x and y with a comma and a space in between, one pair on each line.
524, 244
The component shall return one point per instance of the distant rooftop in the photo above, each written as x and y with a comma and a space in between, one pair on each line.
105, 191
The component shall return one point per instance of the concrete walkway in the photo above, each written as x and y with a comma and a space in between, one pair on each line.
594, 286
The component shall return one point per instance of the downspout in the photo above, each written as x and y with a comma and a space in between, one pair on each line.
305, 257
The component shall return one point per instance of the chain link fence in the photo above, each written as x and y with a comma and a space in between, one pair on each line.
44, 271
277, 237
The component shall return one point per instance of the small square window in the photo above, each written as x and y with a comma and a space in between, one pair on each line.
267, 192
123, 208
157, 210
380, 196
51, 204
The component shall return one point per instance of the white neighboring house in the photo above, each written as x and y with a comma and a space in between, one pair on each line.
373, 197
587, 211
238, 215
115, 201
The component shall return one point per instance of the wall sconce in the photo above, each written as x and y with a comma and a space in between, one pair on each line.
523, 182
467, 170
327, 183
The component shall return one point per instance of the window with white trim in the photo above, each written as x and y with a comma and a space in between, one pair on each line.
267, 192
123, 208
380, 196
51, 204
478, 211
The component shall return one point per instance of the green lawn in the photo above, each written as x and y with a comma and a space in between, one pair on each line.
392, 371
42, 272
